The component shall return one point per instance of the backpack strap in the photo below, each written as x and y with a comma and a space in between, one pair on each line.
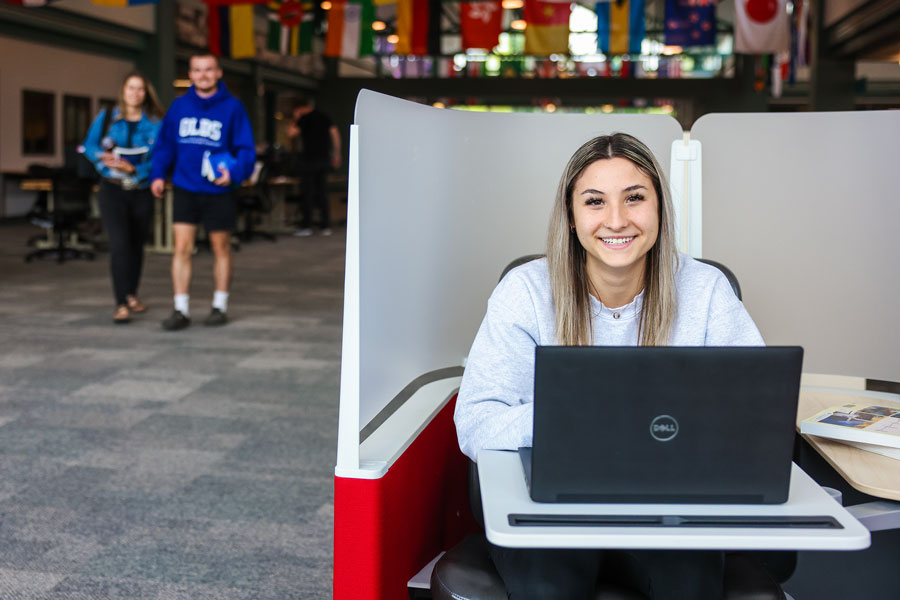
107, 119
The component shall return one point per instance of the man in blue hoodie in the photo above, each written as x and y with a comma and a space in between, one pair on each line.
207, 139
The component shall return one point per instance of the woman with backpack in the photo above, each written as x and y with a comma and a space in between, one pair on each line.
120, 145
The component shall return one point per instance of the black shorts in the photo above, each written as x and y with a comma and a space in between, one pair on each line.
216, 212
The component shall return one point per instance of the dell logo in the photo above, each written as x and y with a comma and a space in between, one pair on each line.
663, 428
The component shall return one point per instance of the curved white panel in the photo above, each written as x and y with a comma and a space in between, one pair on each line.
804, 209
447, 199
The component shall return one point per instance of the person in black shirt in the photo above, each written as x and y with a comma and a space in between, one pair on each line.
320, 151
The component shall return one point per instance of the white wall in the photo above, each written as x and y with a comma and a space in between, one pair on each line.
803, 208
24, 65
142, 17
447, 199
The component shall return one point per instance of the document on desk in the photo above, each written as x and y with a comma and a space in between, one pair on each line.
853, 422
809, 520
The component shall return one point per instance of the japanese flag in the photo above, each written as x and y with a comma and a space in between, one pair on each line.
761, 27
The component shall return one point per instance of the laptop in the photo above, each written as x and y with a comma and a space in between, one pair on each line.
694, 425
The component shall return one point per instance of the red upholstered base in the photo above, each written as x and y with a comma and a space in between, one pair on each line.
387, 529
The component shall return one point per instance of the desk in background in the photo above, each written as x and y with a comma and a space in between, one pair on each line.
46, 185
867, 472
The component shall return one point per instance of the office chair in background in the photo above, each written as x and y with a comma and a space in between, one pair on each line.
254, 201
69, 208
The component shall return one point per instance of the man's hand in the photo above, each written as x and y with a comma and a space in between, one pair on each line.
119, 164
335, 161
158, 187
223, 179
293, 131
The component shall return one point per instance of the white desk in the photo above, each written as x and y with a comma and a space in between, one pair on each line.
504, 493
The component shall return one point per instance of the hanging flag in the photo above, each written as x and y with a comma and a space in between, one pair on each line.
761, 27
690, 23
124, 2
548, 27
481, 24
307, 30
284, 27
230, 30
412, 27
29, 3
350, 29
620, 26
801, 11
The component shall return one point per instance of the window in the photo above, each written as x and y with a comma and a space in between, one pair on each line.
38, 122
76, 119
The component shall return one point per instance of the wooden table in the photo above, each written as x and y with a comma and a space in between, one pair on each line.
162, 216
867, 472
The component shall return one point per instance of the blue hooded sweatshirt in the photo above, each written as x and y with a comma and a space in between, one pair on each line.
194, 126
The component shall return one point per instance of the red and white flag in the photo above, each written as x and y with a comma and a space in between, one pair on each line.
761, 27
481, 24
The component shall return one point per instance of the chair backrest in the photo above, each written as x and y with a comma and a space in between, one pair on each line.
732, 279
729, 275
71, 194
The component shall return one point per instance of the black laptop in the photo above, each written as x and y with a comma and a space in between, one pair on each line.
696, 425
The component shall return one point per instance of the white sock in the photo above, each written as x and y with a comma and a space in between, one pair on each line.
220, 301
181, 304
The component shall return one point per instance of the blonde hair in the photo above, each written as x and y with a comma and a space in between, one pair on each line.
567, 258
152, 107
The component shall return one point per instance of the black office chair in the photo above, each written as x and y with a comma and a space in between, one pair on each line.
70, 208
253, 202
466, 571
39, 214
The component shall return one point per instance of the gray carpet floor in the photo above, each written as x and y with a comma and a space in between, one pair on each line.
138, 463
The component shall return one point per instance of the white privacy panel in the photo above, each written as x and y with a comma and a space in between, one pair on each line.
446, 199
804, 209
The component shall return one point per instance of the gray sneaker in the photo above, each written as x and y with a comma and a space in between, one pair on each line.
176, 321
216, 317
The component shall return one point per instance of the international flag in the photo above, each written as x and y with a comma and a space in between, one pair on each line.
283, 34
350, 29
620, 26
412, 27
548, 27
761, 27
230, 30
690, 23
29, 3
124, 2
481, 24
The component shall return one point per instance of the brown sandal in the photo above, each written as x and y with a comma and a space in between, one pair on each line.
122, 315
135, 305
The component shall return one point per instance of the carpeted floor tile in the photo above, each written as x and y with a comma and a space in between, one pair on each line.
137, 463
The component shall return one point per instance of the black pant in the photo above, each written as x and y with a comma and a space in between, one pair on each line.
314, 193
573, 574
126, 217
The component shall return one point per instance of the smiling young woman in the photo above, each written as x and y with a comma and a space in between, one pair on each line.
612, 277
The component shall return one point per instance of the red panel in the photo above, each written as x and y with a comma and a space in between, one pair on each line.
386, 529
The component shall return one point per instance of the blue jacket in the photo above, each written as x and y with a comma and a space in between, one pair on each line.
144, 136
194, 126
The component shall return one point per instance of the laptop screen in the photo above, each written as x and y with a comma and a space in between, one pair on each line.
664, 424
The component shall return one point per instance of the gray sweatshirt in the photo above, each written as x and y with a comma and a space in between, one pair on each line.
494, 407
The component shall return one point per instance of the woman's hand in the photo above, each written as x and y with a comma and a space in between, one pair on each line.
119, 164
